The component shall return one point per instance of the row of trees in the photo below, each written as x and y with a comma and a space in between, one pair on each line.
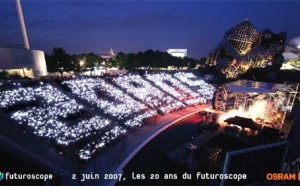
59, 60
150, 60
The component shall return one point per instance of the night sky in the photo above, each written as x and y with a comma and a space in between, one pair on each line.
132, 26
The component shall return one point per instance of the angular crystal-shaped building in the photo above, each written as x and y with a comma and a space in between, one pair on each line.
243, 47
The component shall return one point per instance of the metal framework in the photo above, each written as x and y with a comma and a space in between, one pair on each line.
241, 101
279, 103
246, 45
221, 97
282, 101
232, 71
260, 60
243, 36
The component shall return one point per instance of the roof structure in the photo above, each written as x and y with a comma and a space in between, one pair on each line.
248, 86
295, 42
107, 55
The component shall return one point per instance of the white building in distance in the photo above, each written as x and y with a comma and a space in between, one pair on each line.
292, 49
23, 60
107, 55
178, 52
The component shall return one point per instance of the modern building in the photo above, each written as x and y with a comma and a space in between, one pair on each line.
292, 49
107, 55
23, 60
244, 47
295, 43
178, 52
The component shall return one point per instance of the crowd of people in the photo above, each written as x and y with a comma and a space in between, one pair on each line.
149, 94
98, 93
122, 103
175, 88
48, 118
198, 85
110, 136
10, 98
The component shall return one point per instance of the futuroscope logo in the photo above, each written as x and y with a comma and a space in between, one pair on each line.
1, 176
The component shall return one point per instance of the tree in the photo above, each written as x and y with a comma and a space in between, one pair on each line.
92, 60
185, 61
117, 61
75, 63
177, 62
149, 58
111, 63
119, 58
59, 60
161, 59
4, 74
129, 61
277, 61
192, 63
50, 63
202, 61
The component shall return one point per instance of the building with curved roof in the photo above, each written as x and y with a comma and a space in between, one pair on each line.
22, 60
295, 42
292, 49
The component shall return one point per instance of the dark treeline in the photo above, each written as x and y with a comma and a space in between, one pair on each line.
150, 60
59, 60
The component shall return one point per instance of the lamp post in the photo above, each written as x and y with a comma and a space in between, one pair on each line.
81, 64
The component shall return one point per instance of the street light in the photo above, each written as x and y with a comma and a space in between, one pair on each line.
81, 63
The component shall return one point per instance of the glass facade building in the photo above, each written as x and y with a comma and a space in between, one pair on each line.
243, 47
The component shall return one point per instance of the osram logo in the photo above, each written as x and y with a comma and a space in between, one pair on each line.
283, 176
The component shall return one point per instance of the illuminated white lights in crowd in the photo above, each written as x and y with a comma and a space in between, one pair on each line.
107, 98
130, 100
198, 85
176, 88
90, 148
46, 121
16, 96
147, 93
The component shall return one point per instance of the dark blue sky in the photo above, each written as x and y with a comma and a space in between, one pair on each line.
132, 26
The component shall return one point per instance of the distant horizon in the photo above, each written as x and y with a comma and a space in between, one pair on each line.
83, 27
